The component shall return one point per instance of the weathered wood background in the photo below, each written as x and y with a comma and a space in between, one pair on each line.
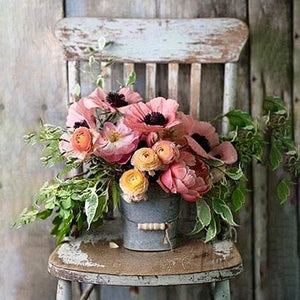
33, 85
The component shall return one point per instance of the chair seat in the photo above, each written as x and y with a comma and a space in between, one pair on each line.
90, 259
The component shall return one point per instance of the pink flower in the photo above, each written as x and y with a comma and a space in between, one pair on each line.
204, 141
166, 151
178, 132
79, 115
112, 101
116, 143
81, 144
152, 116
203, 138
225, 152
179, 178
188, 158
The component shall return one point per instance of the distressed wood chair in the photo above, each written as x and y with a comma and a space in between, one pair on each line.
151, 41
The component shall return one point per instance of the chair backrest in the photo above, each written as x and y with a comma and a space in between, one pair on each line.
152, 41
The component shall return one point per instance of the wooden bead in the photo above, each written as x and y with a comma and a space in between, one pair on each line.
151, 226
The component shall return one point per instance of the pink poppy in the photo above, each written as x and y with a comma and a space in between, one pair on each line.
225, 152
203, 138
179, 178
81, 144
79, 115
204, 141
112, 101
117, 142
152, 116
178, 132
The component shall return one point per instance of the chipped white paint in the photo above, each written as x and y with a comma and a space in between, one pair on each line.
155, 40
194, 278
72, 254
223, 248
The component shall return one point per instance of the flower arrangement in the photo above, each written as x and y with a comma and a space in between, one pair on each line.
116, 144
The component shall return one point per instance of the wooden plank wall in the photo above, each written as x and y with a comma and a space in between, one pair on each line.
33, 85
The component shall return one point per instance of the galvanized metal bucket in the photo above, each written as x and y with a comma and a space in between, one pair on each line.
151, 225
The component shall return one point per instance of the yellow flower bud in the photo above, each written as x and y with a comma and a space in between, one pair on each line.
133, 184
145, 159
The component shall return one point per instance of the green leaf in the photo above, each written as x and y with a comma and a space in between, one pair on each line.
91, 60
102, 206
211, 231
131, 79
115, 193
283, 190
273, 104
99, 81
223, 210
66, 202
101, 43
197, 228
44, 214
203, 212
91, 204
234, 173
238, 118
77, 90
238, 197
91, 49
275, 157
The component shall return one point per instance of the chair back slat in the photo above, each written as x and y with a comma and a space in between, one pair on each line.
73, 79
150, 81
213, 40
229, 94
128, 68
173, 80
195, 90
106, 72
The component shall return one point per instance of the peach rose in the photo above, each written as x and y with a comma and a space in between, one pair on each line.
134, 185
80, 144
166, 151
81, 139
145, 159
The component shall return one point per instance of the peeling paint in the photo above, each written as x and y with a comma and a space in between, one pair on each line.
70, 253
223, 248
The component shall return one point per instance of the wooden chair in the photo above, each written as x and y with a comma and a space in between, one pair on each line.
151, 41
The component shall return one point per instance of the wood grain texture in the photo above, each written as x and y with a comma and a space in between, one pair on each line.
195, 90
90, 259
173, 80
150, 81
275, 247
33, 86
135, 40
230, 90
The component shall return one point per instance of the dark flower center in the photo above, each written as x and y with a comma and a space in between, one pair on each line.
218, 156
116, 100
155, 118
202, 141
81, 124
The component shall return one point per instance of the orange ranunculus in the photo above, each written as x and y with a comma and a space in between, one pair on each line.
82, 140
134, 185
166, 151
145, 159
